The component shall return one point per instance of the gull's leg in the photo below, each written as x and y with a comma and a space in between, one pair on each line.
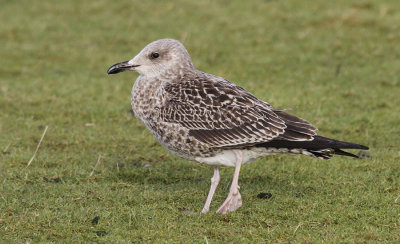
214, 184
234, 199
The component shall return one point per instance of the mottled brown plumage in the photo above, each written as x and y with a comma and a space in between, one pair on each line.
206, 118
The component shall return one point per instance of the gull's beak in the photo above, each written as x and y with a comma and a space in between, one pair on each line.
119, 67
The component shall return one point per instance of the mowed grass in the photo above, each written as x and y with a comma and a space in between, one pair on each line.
336, 62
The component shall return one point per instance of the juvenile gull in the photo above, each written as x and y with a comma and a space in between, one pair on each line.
208, 119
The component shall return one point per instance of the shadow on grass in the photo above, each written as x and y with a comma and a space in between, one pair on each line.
181, 175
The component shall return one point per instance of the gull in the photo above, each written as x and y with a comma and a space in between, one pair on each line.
208, 119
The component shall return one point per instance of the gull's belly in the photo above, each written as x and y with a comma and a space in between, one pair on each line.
228, 157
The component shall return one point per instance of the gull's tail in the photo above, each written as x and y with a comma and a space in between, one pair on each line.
320, 147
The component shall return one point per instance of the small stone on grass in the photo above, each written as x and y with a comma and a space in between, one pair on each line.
95, 220
363, 154
100, 232
264, 195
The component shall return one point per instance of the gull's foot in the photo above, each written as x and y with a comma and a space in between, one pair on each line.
205, 210
232, 202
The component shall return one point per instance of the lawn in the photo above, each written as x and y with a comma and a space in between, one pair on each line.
337, 63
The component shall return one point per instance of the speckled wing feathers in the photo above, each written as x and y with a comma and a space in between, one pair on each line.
221, 114
297, 129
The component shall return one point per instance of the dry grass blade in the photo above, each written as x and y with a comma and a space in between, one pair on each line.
297, 227
37, 148
6, 148
95, 166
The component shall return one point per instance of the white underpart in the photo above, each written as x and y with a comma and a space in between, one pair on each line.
228, 157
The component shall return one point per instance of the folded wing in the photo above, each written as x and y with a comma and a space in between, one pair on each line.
222, 114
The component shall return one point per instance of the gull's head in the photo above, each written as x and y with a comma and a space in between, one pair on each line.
156, 58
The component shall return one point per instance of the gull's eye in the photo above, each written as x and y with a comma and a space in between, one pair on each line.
155, 55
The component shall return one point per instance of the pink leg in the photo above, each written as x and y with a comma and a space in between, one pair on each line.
214, 184
234, 199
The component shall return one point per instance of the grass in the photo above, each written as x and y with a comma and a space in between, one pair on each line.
337, 62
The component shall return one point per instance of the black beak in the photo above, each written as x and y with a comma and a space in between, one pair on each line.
119, 67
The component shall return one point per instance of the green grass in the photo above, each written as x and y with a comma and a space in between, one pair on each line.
337, 62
